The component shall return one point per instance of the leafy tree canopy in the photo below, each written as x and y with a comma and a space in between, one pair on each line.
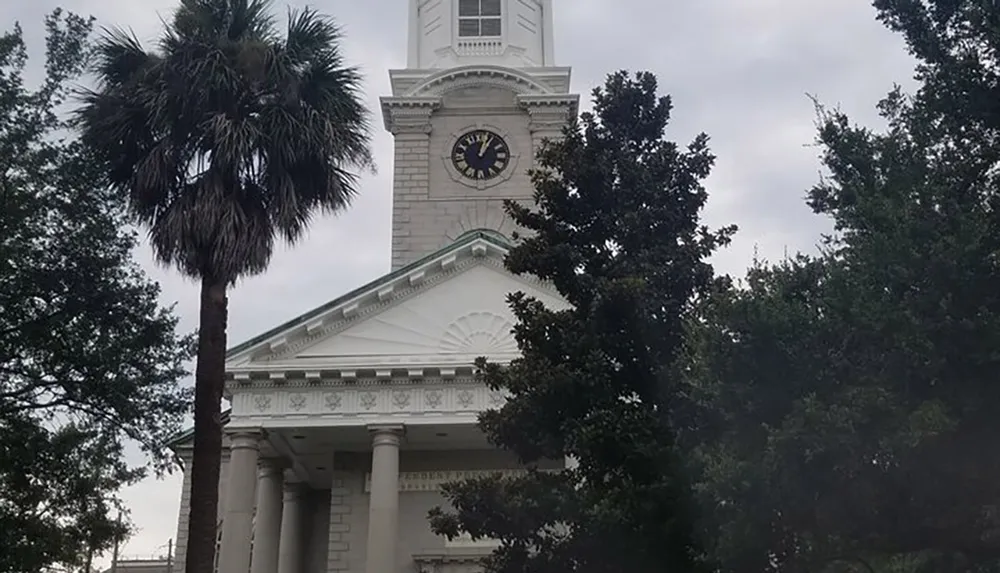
616, 229
850, 399
89, 361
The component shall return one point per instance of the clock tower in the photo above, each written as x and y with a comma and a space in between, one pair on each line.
479, 94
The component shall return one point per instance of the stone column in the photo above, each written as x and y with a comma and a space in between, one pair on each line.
267, 526
292, 537
237, 524
383, 504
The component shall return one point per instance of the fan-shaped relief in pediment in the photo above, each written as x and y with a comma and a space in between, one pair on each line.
413, 332
479, 334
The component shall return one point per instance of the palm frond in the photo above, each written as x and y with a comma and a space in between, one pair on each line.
231, 20
200, 20
251, 19
328, 86
229, 136
119, 57
310, 34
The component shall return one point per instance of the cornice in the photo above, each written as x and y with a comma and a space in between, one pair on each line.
529, 101
408, 114
549, 112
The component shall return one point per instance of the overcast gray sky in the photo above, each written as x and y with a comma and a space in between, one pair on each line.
739, 70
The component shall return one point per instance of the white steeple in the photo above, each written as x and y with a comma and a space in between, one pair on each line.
477, 71
453, 33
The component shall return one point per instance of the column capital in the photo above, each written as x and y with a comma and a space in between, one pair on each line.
268, 467
245, 439
294, 490
386, 434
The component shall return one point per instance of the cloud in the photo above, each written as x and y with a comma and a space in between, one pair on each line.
740, 71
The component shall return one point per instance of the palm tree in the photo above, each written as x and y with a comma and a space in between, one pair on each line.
223, 139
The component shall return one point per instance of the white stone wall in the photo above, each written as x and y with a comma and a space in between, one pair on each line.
340, 532
318, 531
411, 212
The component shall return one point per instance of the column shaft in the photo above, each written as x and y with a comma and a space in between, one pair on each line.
383, 504
290, 548
267, 526
241, 486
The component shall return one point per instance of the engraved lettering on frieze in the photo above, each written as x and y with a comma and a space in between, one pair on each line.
465, 398
262, 402
433, 399
297, 402
432, 480
401, 398
332, 401
368, 400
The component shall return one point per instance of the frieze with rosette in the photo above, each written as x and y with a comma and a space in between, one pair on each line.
359, 401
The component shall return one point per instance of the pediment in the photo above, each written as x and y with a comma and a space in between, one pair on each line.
450, 323
440, 313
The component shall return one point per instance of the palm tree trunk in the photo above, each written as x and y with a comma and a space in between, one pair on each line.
209, 382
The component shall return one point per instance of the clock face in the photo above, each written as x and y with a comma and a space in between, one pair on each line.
480, 155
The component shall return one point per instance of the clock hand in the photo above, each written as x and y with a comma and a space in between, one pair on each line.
485, 145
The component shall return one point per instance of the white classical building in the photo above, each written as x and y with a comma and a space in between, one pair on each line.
346, 420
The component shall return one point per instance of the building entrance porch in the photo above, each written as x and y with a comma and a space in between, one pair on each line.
363, 510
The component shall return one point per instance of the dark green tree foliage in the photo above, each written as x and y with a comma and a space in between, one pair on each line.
851, 399
616, 230
89, 362
228, 137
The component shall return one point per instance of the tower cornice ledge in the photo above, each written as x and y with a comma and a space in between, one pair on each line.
549, 112
569, 103
408, 114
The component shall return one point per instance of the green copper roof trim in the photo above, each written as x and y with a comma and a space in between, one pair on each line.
464, 239
487, 235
